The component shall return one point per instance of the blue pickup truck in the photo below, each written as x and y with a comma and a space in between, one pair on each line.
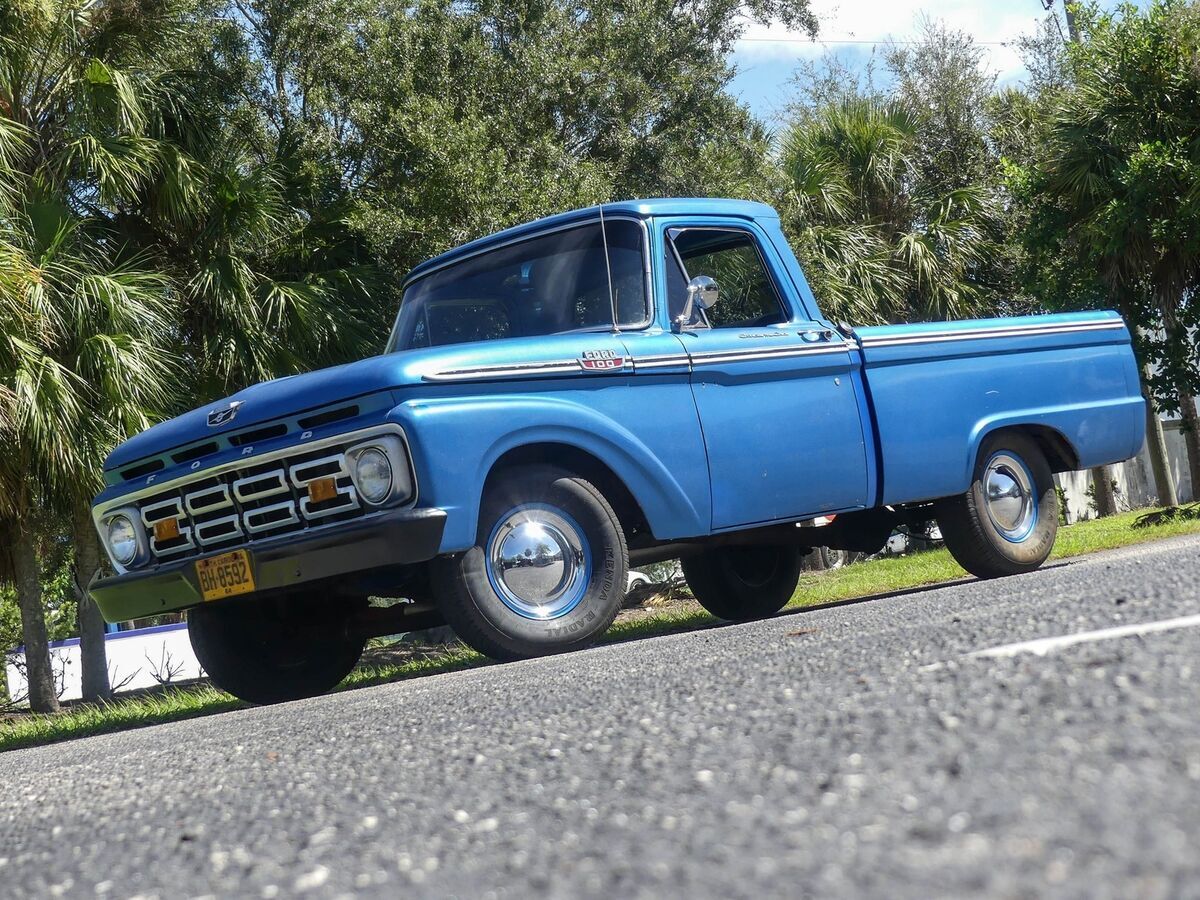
611, 386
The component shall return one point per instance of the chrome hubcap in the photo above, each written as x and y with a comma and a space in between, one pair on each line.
1008, 490
537, 562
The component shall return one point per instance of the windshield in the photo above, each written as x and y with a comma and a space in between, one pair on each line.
547, 285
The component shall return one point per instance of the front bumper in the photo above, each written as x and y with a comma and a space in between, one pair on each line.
394, 538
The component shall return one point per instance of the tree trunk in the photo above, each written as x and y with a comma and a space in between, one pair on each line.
93, 659
1156, 444
43, 692
1169, 301
1191, 436
1102, 492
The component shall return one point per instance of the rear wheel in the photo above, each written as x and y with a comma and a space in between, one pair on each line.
829, 558
1006, 522
547, 573
274, 649
744, 583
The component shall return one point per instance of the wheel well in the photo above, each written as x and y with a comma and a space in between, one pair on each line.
585, 465
1059, 452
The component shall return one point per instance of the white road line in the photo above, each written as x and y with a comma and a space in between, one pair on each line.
1042, 646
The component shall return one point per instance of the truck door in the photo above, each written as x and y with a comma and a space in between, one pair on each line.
774, 391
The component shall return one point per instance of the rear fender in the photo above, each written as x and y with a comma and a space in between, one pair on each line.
1096, 432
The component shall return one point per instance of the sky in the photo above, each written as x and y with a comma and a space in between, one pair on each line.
766, 57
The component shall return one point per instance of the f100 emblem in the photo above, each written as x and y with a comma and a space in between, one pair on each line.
601, 360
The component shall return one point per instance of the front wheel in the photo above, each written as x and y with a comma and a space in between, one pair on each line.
1006, 522
744, 583
547, 573
274, 649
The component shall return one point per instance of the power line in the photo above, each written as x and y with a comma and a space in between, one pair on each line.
771, 40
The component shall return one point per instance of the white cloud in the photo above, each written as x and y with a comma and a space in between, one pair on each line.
996, 25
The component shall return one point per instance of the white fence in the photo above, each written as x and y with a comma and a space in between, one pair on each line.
1135, 479
141, 658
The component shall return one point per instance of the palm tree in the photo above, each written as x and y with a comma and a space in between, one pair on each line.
38, 406
270, 282
1122, 164
880, 243
148, 231
84, 373
84, 130
112, 341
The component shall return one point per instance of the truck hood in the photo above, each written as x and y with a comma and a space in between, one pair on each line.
296, 394
265, 402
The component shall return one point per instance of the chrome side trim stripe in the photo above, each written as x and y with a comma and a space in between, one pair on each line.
518, 370
727, 356
662, 361
636, 363
976, 334
573, 367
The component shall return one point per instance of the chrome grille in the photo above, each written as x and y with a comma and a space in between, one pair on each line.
251, 503
159, 509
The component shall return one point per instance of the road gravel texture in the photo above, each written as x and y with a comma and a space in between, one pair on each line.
845, 751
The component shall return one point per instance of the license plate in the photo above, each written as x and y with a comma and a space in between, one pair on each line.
225, 575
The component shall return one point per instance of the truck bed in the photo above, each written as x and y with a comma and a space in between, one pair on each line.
936, 389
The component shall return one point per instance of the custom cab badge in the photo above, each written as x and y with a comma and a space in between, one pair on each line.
601, 360
219, 417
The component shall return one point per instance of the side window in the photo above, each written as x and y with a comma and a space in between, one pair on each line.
747, 294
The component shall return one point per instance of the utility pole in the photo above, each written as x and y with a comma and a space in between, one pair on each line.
1069, 9
1072, 28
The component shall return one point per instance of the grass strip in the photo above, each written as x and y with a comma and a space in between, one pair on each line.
878, 576
899, 573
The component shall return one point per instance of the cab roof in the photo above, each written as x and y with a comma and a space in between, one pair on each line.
666, 206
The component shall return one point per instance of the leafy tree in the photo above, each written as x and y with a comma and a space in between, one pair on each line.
944, 79
441, 121
1121, 166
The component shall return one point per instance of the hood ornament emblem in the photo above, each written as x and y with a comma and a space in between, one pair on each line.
219, 417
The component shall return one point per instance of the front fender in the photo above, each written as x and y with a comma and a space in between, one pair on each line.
456, 441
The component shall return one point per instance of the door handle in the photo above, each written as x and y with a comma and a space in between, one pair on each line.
814, 335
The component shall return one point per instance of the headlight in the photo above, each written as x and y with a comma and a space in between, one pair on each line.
373, 475
122, 539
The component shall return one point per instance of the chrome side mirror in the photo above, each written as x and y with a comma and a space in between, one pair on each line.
701, 294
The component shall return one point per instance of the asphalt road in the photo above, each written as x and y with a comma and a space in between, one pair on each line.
851, 750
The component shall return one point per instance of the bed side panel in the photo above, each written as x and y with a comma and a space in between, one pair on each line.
940, 388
